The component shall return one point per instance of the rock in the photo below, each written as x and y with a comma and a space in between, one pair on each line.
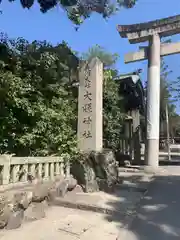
11, 208
84, 173
58, 178
42, 191
6, 208
61, 188
35, 211
96, 170
78, 189
72, 182
103, 186
91, 187
105, 166
52, 195
78, 169
4, 216
15, 220
91, 182
23, 199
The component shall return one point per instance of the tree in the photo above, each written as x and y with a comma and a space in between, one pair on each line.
166, 90
167, 102
38, 109
165, 93
77, 10
38, 103
174, 122
113, 110
108, 59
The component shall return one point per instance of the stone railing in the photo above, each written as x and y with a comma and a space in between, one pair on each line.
17, 169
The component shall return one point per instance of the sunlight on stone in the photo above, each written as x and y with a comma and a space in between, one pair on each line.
156, 207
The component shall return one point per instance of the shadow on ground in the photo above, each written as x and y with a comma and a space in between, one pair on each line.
157, 214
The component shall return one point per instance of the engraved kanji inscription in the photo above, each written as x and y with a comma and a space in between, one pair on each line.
87, 108
87, 120
87, 71
87, 83
87, 134
88, 96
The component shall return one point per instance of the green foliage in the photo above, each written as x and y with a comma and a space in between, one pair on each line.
166, 93
167, 90
113, 110
78, 10
38, 103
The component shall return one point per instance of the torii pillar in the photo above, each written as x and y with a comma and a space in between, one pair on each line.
152, 32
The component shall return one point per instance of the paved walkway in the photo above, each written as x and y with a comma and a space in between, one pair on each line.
66, 224
158, 216
71, 224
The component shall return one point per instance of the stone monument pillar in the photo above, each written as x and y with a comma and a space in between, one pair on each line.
90, 106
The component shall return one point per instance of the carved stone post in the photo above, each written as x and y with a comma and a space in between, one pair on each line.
90, 124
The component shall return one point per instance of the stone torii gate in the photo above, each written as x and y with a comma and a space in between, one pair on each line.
152, 32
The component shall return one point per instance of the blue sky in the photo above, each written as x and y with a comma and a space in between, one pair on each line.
55, 27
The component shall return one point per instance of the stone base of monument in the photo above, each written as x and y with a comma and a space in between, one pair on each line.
103, 187
96, 171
